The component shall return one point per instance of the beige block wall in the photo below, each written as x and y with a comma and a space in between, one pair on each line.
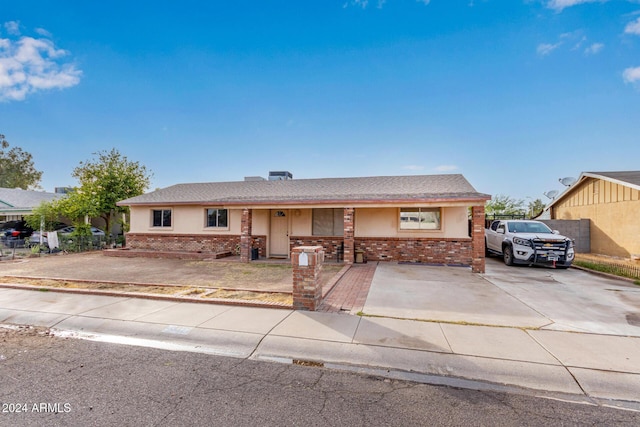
613, 209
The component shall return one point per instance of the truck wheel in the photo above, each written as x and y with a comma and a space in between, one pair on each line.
487, 253
508, 255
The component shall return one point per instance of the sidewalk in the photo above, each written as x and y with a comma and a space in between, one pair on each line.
543, 362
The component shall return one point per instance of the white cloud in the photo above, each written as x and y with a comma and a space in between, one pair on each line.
559, 5
379, 3
545, 49
413, 167
633, 27
631, 75
361, 3
594, 49
12, 27
43, 32
29, 65
446, 168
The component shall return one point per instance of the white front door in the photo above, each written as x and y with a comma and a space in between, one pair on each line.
279, 234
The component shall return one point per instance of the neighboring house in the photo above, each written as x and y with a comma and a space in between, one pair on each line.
16, 203
611, 201
396, 218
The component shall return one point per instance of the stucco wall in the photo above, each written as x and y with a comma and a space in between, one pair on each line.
369, 222
383, 222
613, 209
187, 220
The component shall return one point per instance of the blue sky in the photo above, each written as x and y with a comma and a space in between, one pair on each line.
512, 94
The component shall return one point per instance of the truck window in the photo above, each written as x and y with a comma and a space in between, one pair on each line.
494, 225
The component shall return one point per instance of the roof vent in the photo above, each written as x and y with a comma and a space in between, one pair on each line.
280, 176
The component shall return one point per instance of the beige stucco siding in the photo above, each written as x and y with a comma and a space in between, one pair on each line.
613, 209
369, 222
184, 219
383, 222
301, 220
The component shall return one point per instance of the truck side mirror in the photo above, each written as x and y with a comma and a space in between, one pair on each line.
555, 232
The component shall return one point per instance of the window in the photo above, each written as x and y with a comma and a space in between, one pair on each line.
216, 218
419, 218
328, 222
161, 217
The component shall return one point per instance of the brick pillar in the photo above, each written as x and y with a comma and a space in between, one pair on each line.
349, 243
307, 266
477, 237
245, 236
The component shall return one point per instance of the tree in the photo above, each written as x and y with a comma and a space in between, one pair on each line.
16, 168
536, 207
504, 205
104, 182
46, 214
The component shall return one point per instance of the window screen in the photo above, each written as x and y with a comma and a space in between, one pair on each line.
328, 222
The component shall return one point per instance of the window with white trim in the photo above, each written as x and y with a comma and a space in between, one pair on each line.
216, 218
420, 219
161, 217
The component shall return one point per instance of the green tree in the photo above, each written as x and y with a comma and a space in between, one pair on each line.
536, 207
47, 212
504, 205
16, 168
103, 182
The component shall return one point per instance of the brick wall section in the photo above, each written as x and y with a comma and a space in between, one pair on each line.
183, 242
329, 243
477, 236
245, 235
426, 250
349, 243
307, 289
197, 243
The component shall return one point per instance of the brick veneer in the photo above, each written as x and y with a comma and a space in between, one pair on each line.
428, 250
349, 229
441, 251
477, 235
199, 243
329, 243
307, 289
245, 235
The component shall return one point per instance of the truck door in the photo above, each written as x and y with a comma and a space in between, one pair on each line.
496, 236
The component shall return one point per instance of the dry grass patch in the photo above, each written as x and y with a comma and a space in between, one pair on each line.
254, 282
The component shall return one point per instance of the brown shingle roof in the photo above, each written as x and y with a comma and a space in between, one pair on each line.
629, 177
325, 190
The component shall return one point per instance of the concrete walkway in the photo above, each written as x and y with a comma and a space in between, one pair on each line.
599, 369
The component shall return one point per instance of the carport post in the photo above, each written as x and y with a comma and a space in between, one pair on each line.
307, 266
245, 235
349, 242
477, 239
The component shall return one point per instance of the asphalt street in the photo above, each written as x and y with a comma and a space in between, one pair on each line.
55, 381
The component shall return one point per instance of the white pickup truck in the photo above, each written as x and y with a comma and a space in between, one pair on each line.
528, 242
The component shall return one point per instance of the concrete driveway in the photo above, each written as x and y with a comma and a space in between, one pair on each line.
524, 297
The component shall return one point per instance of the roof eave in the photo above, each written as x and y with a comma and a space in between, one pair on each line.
480, 198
